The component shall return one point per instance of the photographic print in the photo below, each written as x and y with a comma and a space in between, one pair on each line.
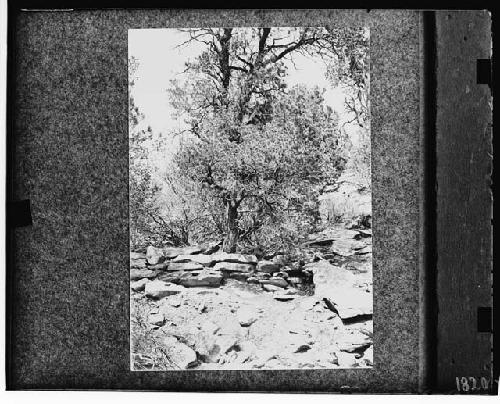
250, 198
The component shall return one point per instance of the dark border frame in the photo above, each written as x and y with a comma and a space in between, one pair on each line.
428, 366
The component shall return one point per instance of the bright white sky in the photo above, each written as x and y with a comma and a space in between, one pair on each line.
160, 61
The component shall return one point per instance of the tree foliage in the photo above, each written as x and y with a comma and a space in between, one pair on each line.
259, 148
352, 74
255, 154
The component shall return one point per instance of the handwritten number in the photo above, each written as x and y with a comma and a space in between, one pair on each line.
466, 384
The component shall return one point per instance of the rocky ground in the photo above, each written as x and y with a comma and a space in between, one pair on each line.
198, 308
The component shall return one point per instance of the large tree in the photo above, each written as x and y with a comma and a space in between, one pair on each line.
256, 146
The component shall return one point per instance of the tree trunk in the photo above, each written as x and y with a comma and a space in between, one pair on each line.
232, 232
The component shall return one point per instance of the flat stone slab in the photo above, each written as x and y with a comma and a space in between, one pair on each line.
365, 233
137, 262
202, 259
136, 274
159, 267
157, 289
279, 282
237, 258
347, 248
137, 256
268, 266
157, 255
271, 288
201, 278
364, 250
234, 267
331, 236
284, 297
184, 266
240, 276
172, 252
170, 277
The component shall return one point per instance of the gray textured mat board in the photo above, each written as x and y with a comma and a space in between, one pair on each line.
70, 320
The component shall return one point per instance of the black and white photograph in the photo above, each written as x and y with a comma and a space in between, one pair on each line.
250, 198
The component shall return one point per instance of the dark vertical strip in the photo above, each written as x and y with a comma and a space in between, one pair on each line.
464, 204
496, 231
428, 250
10, 151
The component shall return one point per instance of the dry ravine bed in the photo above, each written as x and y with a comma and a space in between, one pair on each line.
199, 308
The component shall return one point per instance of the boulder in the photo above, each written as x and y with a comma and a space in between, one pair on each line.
195, 336
279, 282
205, 277
246, 317
136, 274
157, 289
156, 319
354, 342
268, 266
338, 288
184, 266
137, 263
154, 255
181, 356
236, 258
139, 285
202, 259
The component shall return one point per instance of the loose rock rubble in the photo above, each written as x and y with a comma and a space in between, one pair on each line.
198, 308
